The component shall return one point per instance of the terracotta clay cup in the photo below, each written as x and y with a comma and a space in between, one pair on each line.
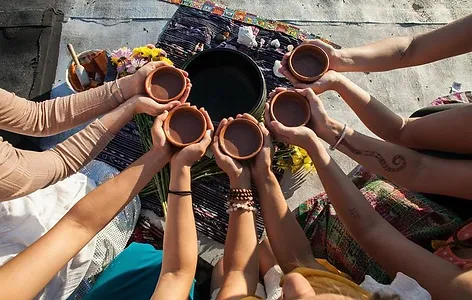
165, 84
241, 139
308, 63
290, 108
184, 126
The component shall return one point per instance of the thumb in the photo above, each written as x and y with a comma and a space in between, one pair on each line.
281, 129
171, 105
161, 118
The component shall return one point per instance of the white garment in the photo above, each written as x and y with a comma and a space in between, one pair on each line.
405, 287
24, 220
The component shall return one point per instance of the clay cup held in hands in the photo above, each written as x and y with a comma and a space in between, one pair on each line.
308, 63
240, 138
185, 125
188, 155
166, 84
300, 135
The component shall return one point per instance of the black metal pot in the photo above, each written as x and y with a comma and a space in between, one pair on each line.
226, 82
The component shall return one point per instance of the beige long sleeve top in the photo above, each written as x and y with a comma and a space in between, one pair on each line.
23, 172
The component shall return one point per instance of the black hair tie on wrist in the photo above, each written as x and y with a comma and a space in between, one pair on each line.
181, 193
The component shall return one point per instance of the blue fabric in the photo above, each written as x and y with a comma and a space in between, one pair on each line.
132, 275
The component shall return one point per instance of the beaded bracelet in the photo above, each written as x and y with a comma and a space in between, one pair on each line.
241, 199
240, 195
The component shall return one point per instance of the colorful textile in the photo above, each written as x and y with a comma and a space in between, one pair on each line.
132, 275
457, 97
250, 19
415, 216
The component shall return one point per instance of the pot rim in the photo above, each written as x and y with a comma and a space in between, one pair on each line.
196, 112
147, 84
294, 93
316, 49
241, 120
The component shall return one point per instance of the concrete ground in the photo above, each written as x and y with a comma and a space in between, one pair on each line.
91, 24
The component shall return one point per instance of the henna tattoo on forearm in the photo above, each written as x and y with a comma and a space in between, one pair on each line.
398, 161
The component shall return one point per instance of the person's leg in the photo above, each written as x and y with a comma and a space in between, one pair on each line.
267, 258
217, 278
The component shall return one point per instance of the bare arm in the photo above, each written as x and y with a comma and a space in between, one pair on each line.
180, 236
40, 262
427, 132
401, 52
289, 243
403, 166
180, 241
240, 260
382, 241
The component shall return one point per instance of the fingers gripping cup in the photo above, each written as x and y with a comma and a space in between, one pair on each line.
241, 139
165, 84
308, 63
184, 126
290, 108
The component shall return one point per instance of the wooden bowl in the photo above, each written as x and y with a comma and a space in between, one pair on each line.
290, 108
165, 84
241, 139
308, 63
184, 126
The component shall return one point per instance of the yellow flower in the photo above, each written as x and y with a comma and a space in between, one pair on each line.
166, 60
155, 52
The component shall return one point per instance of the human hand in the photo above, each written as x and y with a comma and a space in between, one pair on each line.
135, 83
238, 174
143, 104
262, 162
319, 120
159, 140
327, 82
192, 153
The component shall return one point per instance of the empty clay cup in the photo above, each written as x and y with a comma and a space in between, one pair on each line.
184, 126
165, 84
308, 63
241, 139
290, 108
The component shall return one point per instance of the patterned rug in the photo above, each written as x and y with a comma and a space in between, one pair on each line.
189, 28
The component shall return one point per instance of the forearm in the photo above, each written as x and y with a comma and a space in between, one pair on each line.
289, 243
24, 172
241, 255
40, 262
370, 110
384, 55
400, 52
57, 115
180, 240
377, 236
352, 208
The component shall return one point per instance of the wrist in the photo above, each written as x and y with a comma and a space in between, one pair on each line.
262, 175
242, 181
161, 154
129, 86
343, 60
330, 130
